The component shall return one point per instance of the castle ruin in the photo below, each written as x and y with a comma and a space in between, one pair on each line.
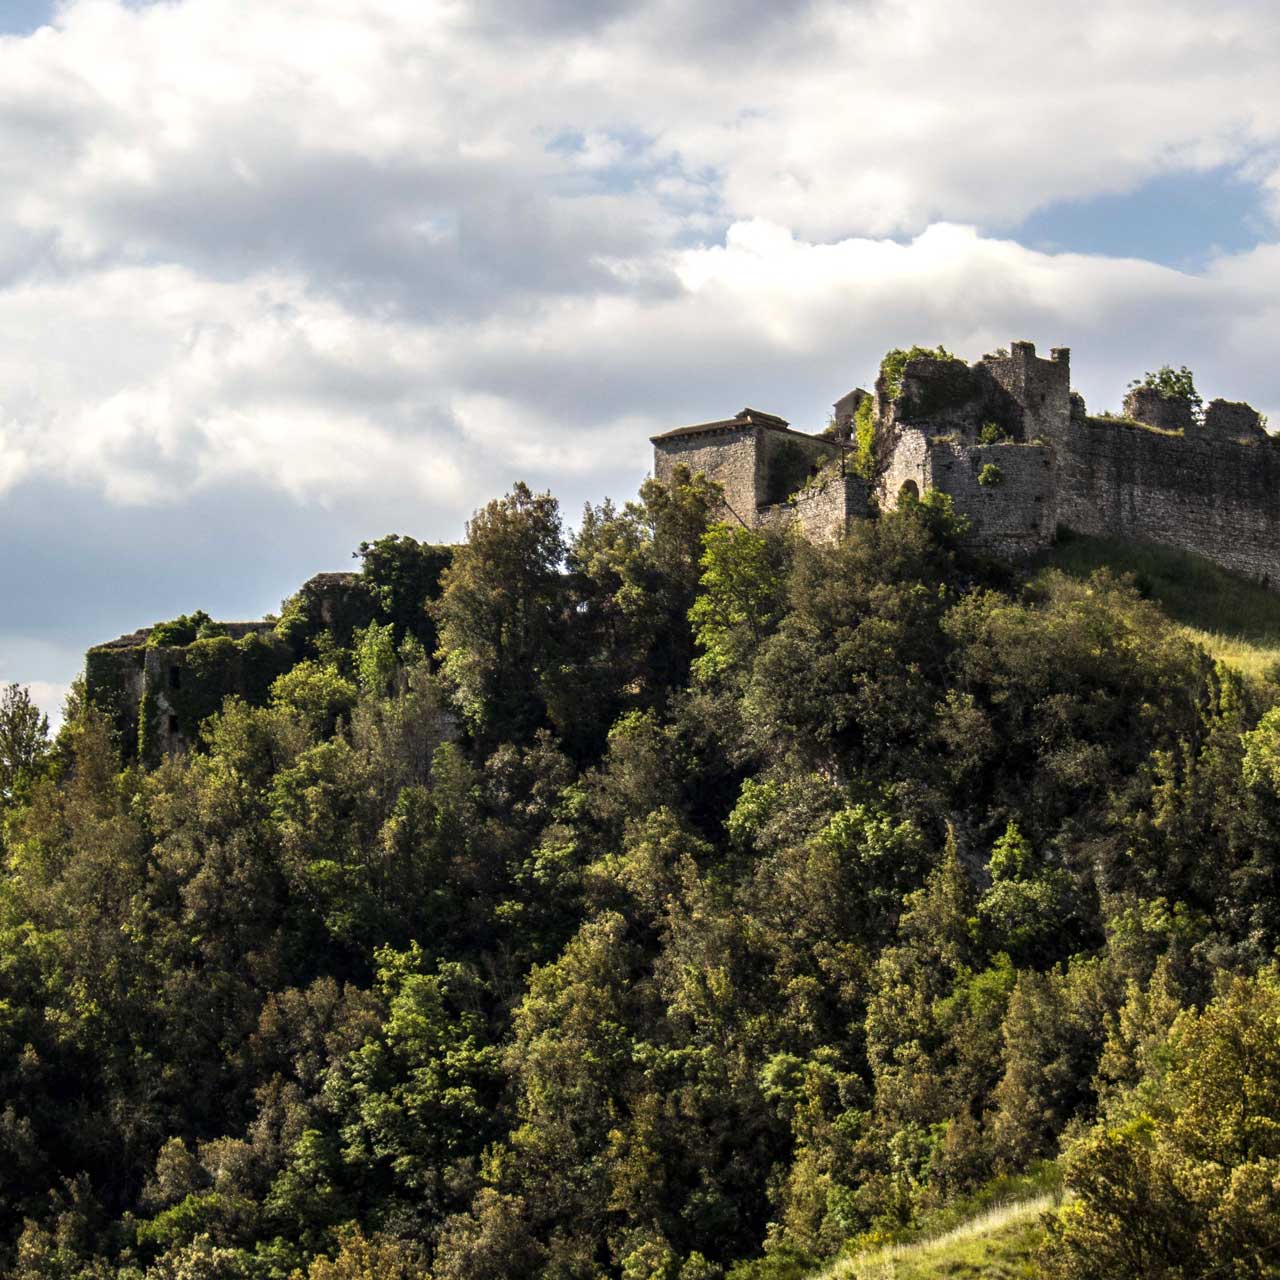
1005, 438
1018, 454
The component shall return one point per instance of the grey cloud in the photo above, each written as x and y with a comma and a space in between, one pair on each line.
274, 323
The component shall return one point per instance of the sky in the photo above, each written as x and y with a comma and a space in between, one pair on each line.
279, 277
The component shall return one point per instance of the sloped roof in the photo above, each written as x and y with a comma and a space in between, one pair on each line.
743, 419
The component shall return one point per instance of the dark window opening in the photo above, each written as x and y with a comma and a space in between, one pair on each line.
175, 677
173, 724
909, 492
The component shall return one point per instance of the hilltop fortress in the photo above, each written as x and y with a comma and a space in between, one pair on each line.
1006, 438
1014, 447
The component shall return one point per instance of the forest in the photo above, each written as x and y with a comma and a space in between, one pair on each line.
656, 900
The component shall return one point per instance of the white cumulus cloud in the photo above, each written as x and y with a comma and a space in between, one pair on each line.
375, 260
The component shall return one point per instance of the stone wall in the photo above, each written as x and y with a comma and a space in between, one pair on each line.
1230, 420
907, 466
114, 684
1014, 516
156, 696
1165, 413
787, 462
1012, 513
1216, 497
756, 465
1212, 487
726, 455
821, 512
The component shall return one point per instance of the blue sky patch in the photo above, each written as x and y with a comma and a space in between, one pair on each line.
21, 17
1181, 220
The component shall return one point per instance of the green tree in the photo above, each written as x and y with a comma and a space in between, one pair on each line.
636, 574
376, 1257
500, 615
1173, 384
375, 657
1184, 1179
894, 364
24, 743
740, 597
404, 576
317, 692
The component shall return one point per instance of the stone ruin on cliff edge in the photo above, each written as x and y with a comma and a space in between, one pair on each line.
1020, 457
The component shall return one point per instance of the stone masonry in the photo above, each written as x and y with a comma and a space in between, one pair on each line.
1020, 457
770, 475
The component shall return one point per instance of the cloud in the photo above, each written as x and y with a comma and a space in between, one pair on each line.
376, 143
278, 277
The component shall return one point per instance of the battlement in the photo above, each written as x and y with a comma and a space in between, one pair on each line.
1016, 450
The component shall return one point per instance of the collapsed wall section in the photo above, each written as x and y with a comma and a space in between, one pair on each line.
822, 511
1218, 497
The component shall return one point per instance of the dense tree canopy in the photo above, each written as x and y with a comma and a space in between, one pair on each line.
664, 901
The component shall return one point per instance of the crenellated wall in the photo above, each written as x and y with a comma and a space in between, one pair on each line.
1037, 392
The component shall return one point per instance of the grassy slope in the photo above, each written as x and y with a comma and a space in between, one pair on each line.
1234, 619
1000, 1244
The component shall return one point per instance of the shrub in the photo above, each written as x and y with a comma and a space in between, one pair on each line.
990, 476
1173, 384
184, 629
864, 434
894, 365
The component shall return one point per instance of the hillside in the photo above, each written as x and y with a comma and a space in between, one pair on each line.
720, 908
1001, 1244
1234, 619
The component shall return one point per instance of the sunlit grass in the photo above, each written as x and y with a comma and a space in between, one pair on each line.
1232, 618
1000, 1244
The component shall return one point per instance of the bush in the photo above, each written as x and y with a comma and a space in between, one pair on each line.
990, 476
1173, 384
894, 365
864, 434
185, 629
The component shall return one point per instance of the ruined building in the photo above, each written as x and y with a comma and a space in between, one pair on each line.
157, 685
1006, 438
1020, 457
